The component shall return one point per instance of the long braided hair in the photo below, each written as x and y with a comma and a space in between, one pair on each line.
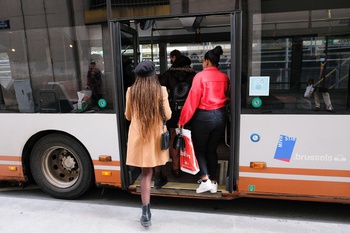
146, 101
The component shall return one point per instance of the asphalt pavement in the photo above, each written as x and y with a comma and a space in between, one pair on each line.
53, 215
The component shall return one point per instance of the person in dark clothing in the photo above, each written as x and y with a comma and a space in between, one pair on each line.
94, 81
178, 80
128, 75
322, 87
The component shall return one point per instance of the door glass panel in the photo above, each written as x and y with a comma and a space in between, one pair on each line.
129, 58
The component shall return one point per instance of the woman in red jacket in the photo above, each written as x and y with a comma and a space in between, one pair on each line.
205, 105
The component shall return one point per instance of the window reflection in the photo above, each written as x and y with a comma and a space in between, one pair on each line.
288, 47
44, 69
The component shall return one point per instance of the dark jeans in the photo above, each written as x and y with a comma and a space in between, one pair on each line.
208, 127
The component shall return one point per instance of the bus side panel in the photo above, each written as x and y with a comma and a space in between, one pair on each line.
11, 168
107, 173
305, 155
96, 132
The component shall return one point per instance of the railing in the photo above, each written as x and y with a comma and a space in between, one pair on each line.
344, 77
97, 4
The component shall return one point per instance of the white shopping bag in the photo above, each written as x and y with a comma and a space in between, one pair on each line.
309, 90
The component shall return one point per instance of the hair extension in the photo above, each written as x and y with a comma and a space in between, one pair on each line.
144, 93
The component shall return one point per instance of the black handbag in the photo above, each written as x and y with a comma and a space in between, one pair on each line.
165, 143
179, 142
165, 139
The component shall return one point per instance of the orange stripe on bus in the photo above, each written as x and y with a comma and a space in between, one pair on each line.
297, 171
11, 158
294, 187
111, 163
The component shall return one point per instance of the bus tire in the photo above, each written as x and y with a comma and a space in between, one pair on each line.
61, 166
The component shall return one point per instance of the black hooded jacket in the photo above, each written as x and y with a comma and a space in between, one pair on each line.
177, 78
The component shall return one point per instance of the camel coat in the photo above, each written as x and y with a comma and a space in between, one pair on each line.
146, 154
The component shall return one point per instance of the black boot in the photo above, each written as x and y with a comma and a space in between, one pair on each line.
159, 180
146, 216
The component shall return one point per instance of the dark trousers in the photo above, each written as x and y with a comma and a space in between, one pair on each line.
207, 129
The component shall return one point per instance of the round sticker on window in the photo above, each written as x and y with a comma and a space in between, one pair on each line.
102, 103
256, 102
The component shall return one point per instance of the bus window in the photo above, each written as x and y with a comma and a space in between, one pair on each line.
46, 73
5, 79
195, 51
290, 58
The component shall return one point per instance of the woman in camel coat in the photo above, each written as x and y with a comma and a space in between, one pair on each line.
144, 102
142, 153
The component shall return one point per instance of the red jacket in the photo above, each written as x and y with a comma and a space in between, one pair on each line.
208, 92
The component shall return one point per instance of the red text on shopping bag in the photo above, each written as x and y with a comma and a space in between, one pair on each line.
188, 160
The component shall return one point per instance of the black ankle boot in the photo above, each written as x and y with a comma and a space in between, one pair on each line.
146, 216
159, 180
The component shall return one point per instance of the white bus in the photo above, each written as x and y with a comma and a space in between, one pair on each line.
275, 144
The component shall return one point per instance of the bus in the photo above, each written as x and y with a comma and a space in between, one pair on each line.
275, 145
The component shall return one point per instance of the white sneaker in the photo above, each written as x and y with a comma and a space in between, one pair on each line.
204, 186
215, 187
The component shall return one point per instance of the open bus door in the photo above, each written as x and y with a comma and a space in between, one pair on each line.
125, 57
168, 30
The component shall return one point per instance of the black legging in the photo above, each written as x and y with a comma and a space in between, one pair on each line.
207, 129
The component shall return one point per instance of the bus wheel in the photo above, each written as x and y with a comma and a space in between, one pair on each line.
61, 166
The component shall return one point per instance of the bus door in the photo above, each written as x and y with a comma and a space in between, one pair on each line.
155, 31
235, 97
125, 58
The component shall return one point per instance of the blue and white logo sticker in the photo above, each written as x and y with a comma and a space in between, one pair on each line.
255, 137
285, 147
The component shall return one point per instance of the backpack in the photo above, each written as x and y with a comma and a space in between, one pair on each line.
179, 95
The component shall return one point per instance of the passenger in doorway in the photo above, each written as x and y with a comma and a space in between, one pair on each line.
128, 75
128, 78
322, 87
178, 80
144, 100
94, 81
205, 107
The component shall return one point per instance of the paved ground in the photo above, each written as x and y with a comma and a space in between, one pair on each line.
51, 216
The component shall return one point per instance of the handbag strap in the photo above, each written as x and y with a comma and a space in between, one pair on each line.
163, 114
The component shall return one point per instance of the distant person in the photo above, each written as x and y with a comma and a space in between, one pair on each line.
205, 106
322, 87
175, 54
144, 100
178, 80
94, 81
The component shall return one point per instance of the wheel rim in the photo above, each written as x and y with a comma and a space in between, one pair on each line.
60, 167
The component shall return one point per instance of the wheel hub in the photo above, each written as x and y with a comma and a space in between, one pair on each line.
68, 163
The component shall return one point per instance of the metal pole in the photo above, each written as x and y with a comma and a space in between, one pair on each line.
109, 10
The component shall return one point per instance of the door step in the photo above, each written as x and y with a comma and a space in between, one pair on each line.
177, 189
